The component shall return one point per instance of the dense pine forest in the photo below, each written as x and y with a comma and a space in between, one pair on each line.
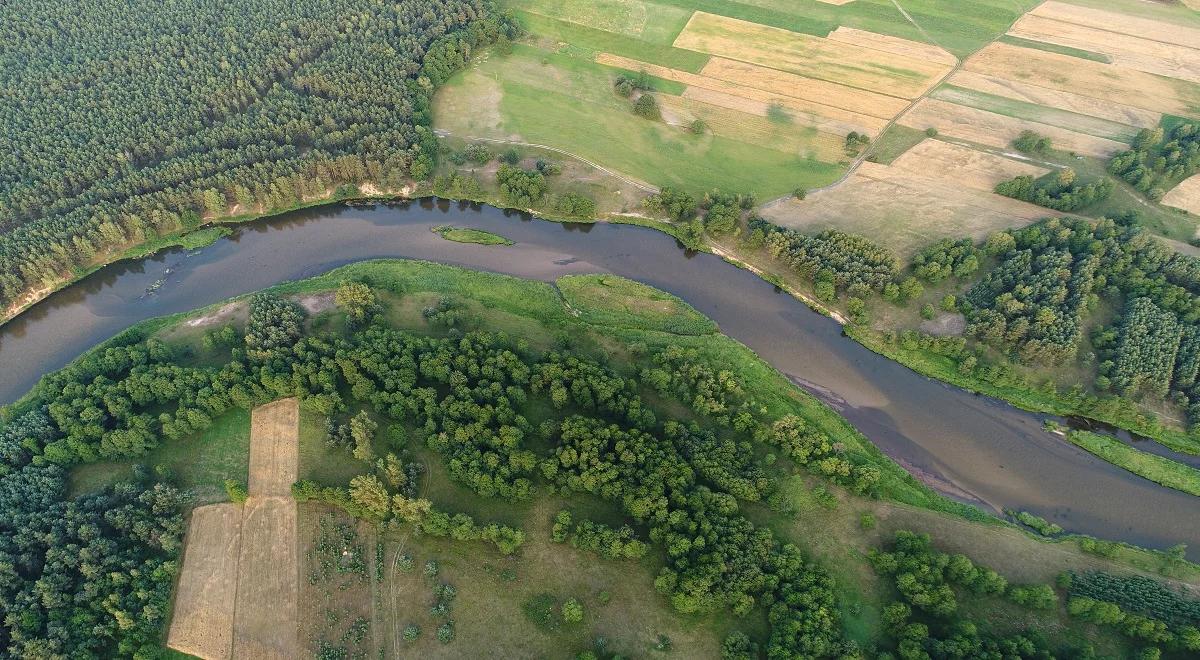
121, 122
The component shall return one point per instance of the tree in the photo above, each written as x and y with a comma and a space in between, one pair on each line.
647, 107
357, 301
362, 430
369, 493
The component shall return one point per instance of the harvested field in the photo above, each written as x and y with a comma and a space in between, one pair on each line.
274, 433
1111, 21
1052, 98
202, 621
1002, 105
846, 2
1185, 196
818, 91
893, 45
1107, 82
998, 130
237, 594
911, 211
963, 165
806, 55
1164, 59
266, 619
824, 117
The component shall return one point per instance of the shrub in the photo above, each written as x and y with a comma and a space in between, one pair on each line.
572, 611
431, 568
698, 127
445, 632
411, 632
647, 107
236, 491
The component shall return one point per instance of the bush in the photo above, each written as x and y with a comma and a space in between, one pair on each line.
931, 132
445, 632
572, 611
698, 127
431, 568
236, 491
411, 632
1031, 143
511, 156
478, 154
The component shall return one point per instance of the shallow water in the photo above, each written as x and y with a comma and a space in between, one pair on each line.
971, 447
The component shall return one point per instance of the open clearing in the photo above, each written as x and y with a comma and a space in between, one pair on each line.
237, 593
997, 130
1185, 196
806, 55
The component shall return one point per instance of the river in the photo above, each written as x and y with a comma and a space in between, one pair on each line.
971, 447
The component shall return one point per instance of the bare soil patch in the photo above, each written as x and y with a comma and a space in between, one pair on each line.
945, 325
202, 621
315, 303
1185, 196
1053, 98
227, 312
998, 130
966, 166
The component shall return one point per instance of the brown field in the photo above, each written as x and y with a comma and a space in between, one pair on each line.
818, 91
911, 210
1107, 82
806, 55
755, 100
997, 130
963, 165
202, 622
1146, 28
748, 124
1185, 196
846, 2
893, 45
1053, 98
237, 594
1165, 59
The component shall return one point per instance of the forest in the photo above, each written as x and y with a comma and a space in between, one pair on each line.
128, 122
1159, 159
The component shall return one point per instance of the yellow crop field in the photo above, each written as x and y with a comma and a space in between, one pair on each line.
997, 130
1112, 21
963, 165
893, 45
1164, 59
818, 91
825, 117
806, 55
1107, 82
1053, 98
1185, 196
202, 620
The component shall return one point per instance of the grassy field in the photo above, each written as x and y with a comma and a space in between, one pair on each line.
1158, 469
200, 462
467, 235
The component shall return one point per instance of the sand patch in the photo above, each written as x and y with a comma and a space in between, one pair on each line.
1185, 196
966, 166
225, 313
1165, 59
237, 594
893, 45
1107, 82
999, 131
806, 55
315, 303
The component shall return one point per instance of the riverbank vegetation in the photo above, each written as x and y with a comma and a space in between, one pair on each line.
469, 235
1158, 469
622, 405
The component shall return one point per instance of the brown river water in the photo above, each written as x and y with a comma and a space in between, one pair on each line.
970, 447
